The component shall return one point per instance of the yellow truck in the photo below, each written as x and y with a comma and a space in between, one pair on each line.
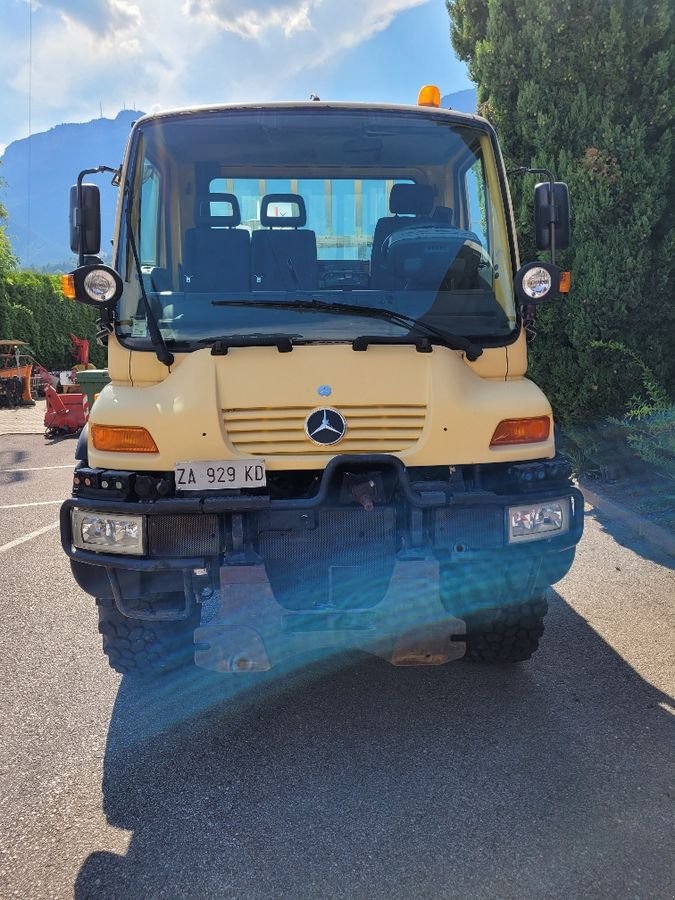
318, 432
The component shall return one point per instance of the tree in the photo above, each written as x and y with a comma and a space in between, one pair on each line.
7, 258
585, 88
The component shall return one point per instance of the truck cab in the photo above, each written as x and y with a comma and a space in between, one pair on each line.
319, 433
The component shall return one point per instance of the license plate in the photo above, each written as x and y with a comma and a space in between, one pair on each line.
216, 475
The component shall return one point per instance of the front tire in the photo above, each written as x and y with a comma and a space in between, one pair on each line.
506, 635
142, 647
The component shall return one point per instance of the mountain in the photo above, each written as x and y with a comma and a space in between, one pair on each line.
39, 235
40, 239
463, 101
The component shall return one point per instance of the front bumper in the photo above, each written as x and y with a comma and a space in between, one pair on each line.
465, 531
292, 576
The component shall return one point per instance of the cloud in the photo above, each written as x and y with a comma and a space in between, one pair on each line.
334, 25
260, 18
145, 52
98, 15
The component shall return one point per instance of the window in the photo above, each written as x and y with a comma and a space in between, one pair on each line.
475, 187
342, 212
149, 249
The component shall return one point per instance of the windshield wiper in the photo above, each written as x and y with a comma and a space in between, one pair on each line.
453, 341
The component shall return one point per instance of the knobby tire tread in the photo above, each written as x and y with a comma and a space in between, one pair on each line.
506, 635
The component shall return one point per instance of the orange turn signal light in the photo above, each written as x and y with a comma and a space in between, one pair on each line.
565, 282
521, 431
122, 439
68, 287
429, 95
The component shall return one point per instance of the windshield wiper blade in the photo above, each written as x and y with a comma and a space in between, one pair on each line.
453, 341
164, 355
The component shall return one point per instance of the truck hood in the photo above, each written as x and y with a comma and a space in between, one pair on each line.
428, 409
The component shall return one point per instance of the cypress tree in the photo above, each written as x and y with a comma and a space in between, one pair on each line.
585, 88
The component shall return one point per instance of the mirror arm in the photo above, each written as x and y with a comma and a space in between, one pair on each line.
79, 213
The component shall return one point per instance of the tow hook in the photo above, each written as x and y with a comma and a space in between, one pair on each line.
365, 493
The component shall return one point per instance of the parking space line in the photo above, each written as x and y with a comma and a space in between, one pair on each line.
28, 537
34, 503
40, 468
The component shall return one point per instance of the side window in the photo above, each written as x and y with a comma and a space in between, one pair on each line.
476, 202
149, 249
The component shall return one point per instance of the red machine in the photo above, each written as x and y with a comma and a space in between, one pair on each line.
64, 413
80, 350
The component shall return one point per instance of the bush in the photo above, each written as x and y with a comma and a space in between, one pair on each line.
586, 89
33, 309
644, 435
649, 423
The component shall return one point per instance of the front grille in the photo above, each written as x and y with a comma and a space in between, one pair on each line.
280, 431
480, 528
183, 536
345, 561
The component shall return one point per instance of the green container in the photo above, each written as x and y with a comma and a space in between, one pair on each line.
92, 382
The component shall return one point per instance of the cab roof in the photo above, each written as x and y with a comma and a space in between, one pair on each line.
421, 111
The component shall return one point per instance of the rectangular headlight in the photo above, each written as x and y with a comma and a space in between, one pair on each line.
538, 520
105, 532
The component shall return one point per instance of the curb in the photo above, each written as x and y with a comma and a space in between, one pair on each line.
657, 535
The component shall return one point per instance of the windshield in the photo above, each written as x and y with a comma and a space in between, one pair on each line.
389, 209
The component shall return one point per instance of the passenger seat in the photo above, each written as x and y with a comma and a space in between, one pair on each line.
283, 251
217, 253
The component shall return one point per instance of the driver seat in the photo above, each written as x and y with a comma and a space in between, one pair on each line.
411, 204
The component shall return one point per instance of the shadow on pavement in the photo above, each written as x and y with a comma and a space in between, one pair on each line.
10, 459
548, 779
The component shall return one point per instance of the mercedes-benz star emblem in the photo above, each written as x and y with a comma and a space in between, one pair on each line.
325, 426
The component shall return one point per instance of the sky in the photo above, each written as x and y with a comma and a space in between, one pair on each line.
93, 56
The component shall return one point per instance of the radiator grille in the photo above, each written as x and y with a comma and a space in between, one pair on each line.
182, 536
280, 431
474, 529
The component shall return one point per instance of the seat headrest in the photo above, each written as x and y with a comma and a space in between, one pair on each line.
411, 199
205, 216
443, 214
283, 211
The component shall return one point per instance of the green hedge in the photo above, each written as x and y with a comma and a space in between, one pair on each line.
33, 309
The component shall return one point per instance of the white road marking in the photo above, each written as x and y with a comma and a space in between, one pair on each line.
35, 503
28, 537
40, 468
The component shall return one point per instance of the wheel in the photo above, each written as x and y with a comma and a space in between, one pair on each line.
140, 647
506, 635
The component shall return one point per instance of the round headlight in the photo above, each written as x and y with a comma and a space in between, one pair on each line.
537, 283
97, 285
100, 285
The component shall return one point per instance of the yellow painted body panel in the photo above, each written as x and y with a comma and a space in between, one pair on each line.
427, 409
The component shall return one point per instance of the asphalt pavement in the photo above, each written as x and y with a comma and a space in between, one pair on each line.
344, 779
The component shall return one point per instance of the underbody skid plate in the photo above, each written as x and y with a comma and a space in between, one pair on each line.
251, 632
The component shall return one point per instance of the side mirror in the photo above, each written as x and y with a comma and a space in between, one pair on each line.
85, 220
547, 215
